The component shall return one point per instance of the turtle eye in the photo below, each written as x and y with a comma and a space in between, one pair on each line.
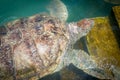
3, 30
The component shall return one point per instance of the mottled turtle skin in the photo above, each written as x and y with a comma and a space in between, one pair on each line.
33, 47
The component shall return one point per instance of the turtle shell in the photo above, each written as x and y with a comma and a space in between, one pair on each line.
31, 48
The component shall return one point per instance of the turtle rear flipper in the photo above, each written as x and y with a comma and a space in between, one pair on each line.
58, 9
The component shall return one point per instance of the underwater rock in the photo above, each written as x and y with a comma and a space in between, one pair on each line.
113, 1
103, 46
116, 10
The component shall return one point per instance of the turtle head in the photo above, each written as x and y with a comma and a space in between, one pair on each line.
80, 28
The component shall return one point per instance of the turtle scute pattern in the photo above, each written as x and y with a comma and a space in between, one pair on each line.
31, 47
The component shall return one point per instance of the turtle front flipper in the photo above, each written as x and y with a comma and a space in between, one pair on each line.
83, 61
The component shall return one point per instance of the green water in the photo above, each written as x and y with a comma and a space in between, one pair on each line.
78, 9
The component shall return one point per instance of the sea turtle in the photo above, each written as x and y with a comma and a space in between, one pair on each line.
36, 45
33, 47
